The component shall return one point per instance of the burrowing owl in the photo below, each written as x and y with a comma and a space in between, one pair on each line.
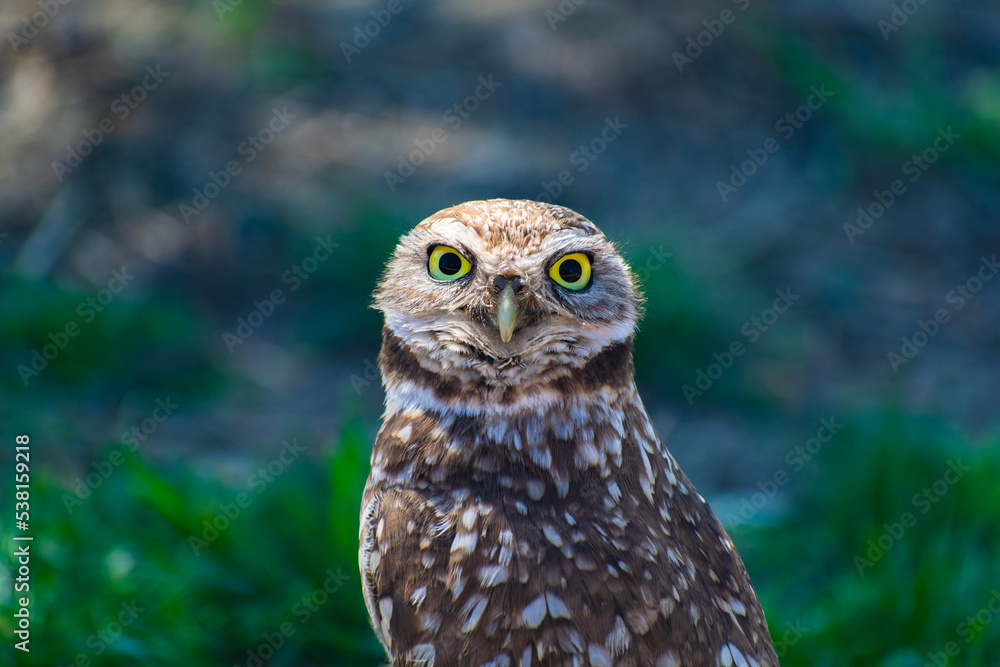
521, 510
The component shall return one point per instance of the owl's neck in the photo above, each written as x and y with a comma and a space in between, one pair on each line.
569, 422
500, 388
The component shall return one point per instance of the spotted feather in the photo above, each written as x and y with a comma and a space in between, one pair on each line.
521, 510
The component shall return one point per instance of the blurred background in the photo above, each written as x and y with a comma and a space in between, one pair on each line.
197, 200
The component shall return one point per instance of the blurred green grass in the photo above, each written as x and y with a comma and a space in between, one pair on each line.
223, 605
227, 603
279, 585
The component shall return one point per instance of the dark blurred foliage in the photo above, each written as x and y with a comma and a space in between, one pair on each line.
166, 97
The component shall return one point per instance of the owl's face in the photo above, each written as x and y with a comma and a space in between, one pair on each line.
487, 286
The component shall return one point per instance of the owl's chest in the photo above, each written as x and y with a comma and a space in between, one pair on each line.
438, 556
541, 483
533, 455
493, 537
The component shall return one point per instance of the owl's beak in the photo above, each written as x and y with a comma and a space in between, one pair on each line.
506, 312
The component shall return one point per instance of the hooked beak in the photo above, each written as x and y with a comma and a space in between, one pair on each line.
506, 312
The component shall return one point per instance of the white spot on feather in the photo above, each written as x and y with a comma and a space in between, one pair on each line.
586, 455
647, 480
730, 655
464, 542
473, 611
431, 621
598, 656
615, 491
423, 655
557, 607
619, 638
502, 660
668, 659
542, 457
491, 575
385, 615
534, 613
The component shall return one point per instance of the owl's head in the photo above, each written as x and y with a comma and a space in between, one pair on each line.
506, 289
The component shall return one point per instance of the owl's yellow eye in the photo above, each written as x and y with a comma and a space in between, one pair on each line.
572, 271
447, 264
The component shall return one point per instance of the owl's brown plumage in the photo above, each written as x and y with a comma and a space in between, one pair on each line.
521, 510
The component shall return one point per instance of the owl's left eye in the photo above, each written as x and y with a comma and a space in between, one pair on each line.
572, 271
447, 264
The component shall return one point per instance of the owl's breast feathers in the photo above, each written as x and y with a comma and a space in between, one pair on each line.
543, 524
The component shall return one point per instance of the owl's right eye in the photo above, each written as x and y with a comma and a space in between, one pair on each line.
447, 264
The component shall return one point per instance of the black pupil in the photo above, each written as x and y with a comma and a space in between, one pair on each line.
450, 263
570, 271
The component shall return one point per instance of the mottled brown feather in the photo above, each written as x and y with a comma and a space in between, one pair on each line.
521, 510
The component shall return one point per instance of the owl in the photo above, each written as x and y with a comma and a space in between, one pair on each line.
521, 510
